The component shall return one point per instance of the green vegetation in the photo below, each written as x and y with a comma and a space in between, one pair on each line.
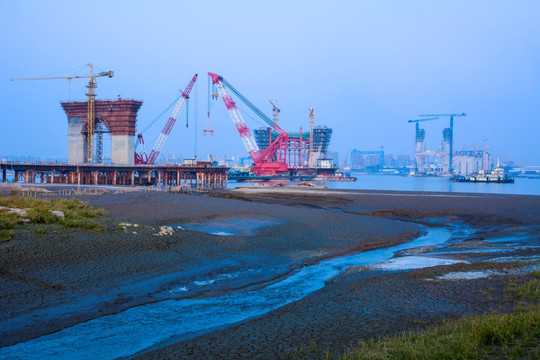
77, 214
40, 231
514, 335
8, 222
511, 336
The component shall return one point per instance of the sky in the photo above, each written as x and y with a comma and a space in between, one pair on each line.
366, 67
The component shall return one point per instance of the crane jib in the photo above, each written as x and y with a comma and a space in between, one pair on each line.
248, 103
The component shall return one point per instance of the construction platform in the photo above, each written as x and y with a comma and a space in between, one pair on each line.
200, 175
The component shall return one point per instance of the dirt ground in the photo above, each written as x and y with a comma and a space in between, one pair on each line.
66, 276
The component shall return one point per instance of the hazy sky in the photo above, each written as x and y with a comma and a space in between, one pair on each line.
366, 67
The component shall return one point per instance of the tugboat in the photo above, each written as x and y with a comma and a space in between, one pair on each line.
497, 175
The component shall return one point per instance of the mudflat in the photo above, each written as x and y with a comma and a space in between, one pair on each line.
52, 281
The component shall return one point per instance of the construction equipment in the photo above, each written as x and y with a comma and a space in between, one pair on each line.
91, 97
213, 92
311, 123
270, 161
449, 136
142, 158
275, 109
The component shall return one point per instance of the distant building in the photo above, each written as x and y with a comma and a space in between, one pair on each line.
470, 162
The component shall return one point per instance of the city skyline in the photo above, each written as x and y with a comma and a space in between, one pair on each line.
365, 67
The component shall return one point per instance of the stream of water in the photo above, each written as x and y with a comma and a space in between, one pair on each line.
141, 327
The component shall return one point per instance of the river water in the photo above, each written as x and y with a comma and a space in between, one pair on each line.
521, 186
141, 327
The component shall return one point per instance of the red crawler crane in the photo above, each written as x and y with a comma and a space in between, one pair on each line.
142, 158
270, 161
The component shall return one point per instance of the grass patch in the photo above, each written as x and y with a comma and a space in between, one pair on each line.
86, 224
77, 214
527, 290
6, 235
8, 220
40, 231
512, 335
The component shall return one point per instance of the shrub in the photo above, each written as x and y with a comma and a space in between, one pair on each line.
42, 216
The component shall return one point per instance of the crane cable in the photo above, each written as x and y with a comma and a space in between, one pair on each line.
158, 117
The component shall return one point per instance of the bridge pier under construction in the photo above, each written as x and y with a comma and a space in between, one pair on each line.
196, 176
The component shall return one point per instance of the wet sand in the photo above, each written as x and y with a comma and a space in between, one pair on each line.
66, 277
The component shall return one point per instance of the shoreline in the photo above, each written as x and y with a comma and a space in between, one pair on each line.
278, 245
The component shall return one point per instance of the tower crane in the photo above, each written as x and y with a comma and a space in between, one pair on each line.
450, 135
270, 161
276, 110
142, 158
419, 120
91, 98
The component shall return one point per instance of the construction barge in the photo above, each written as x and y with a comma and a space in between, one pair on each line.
495, 176
200, 175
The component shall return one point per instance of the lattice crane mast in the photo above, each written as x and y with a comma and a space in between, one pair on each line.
276, 110
158, 146
91, 98
270, 161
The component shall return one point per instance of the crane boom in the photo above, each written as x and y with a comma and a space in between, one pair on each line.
270, 161
158, 146
104, 73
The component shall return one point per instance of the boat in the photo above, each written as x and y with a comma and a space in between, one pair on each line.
338, 176
497, 175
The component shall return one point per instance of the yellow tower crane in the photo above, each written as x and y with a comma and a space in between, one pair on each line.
91, 97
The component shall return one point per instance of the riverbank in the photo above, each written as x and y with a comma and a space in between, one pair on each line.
369, 303
63, 278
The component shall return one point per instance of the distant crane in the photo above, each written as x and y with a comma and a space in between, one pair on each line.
450, 135
91, 97
311, 123
275, 109
142, 158
419, 120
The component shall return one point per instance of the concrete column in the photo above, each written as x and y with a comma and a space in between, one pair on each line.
4, 175
95, 174
123, 149
77, 144
132, 177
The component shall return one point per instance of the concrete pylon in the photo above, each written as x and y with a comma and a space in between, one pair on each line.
118, 116
420, 136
